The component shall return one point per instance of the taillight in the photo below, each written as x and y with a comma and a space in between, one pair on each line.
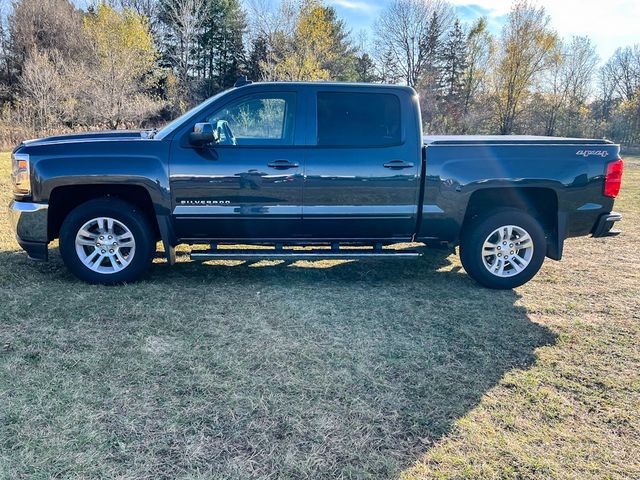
613, 178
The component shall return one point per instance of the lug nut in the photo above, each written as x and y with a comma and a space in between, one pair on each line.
110, 237
101, 237
103, 251
111, 251
499, 248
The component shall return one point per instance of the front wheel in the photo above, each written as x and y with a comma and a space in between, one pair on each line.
107, 241
503, 249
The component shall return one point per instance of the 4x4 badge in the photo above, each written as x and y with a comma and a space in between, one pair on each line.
592, 153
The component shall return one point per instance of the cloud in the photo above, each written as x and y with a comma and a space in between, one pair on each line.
610, 24
357, 5
493, 8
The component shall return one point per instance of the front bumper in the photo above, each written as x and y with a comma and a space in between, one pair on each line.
605, 224
29, 222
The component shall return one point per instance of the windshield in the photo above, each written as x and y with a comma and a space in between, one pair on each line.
162, 133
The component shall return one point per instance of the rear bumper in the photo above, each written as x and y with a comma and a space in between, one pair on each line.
29, 222
605, 224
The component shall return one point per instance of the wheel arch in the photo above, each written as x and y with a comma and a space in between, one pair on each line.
64, 199
539, 202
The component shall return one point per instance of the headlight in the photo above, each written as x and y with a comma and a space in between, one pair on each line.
21, 176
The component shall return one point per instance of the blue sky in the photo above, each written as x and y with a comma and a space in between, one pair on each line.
610, 23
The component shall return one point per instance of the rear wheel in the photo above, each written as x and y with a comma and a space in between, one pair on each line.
107, 241
503, 249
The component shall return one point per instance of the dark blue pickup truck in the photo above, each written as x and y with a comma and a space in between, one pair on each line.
323, 165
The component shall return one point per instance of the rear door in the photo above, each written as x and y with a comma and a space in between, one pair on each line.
362, 165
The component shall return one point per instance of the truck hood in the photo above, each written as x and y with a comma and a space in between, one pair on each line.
87, 137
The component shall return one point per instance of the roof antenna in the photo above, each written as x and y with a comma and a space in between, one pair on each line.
242, 81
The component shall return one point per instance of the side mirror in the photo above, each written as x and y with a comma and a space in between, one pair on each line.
203, 134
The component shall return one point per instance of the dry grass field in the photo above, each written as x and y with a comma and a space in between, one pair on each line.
367, 369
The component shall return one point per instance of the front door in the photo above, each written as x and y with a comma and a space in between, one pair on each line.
362, 173
248, 185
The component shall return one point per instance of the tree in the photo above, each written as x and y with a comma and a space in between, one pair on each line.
314, 45
453, 58
625, 65
342, 54
444, 79
440, 112
433, 43
301, 39
146, 8
480, 52
5, 63
45, 25
182, 25
258, 56
310, 46
606, 86
620, 90
568, 82
276, 24
221, 47
120, 70
387, 67
45, 90
410, 32
526, 47
365, 69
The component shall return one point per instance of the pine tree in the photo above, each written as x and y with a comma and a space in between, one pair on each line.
388, 68
221, 45
453, 62
430, 47
365, 69
429, 83
342, 64
258, 55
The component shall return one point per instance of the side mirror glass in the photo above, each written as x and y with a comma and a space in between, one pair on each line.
203, 134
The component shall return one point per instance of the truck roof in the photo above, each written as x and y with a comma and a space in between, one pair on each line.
332, 85
508, 140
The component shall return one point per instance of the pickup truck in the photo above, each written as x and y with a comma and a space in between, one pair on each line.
320, 165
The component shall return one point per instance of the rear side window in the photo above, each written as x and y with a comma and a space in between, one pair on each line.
358, 120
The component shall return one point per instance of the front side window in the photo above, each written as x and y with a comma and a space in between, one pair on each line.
358, 119
260, 119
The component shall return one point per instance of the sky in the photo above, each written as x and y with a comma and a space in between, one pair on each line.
609, 23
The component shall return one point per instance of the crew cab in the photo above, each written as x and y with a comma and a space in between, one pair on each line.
323, 165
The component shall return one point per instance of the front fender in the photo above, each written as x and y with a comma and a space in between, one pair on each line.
69, 168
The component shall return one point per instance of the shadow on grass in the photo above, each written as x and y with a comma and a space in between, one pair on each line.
243, 372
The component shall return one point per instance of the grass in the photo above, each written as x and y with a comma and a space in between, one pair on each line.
324, 370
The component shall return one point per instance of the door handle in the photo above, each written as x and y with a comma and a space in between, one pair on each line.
398, 165
282, 164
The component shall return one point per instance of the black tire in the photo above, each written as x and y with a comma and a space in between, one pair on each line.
129, 215
478, 230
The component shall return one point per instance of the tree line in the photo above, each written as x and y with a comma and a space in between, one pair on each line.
130, 63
